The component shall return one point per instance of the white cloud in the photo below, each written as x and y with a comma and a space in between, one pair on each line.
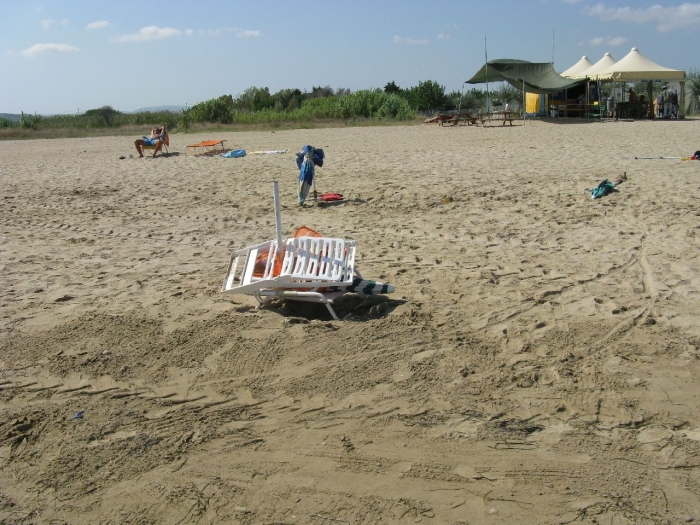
46, 24
243, 33
38, 49
189, 32
617, 41
210, 32
607, 41
409, 41
97, 25
248, 33
571, 1
149, 33
665, 18
442, 36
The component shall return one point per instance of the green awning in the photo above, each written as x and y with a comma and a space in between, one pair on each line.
539, 77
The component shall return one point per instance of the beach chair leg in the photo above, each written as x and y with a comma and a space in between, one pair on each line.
262, 301
330, 309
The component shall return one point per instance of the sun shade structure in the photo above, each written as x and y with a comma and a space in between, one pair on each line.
538, 77
635, 67
578, 67
593, 71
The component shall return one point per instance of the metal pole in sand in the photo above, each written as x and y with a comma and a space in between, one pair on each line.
661, 158
278, 218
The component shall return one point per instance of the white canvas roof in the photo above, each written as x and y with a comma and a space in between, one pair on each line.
578, 67
635, 66
602, 64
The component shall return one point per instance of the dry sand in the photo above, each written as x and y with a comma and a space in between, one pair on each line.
538, 362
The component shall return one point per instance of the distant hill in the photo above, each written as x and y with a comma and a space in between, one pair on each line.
174, 109
10, 116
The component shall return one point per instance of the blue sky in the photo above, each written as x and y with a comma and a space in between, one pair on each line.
60, 56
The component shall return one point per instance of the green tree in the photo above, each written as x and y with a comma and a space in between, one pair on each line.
452, 100
322, 92
395, 107
29, 121
183, 120
262, 100
474, 100
692, 84
392, 88
7, 123
287, 99
244, 101
428, 95
364, 103
506, 93
215, 110
106, 113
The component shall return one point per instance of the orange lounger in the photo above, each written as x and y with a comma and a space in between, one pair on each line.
204, 146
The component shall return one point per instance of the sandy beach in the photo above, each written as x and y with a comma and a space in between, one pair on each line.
538, 362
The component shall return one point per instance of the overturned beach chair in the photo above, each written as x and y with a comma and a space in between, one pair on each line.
311, 269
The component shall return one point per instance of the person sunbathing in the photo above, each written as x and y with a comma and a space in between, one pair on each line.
156, 139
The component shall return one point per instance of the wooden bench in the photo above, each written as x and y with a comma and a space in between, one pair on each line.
454, 120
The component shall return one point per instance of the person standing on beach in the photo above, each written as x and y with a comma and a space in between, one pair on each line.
667, 102
673, 96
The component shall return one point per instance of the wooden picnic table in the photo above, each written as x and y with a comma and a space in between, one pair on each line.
499, 116
467, 118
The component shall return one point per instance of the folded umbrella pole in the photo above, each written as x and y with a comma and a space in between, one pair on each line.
657, 158
307, 159
694, 156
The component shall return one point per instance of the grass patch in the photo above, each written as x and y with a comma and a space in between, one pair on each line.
138, 131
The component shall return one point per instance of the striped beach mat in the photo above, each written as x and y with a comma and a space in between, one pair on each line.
366, 287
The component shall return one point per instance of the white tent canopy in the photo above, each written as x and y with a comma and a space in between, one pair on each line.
602, 64
578, 67
635, 67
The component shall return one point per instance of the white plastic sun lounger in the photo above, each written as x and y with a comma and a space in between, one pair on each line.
314, 269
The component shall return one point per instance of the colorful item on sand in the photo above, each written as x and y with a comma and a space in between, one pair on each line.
330, 197
261, 260
269, 152
604, 188
369, 287
234, 154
